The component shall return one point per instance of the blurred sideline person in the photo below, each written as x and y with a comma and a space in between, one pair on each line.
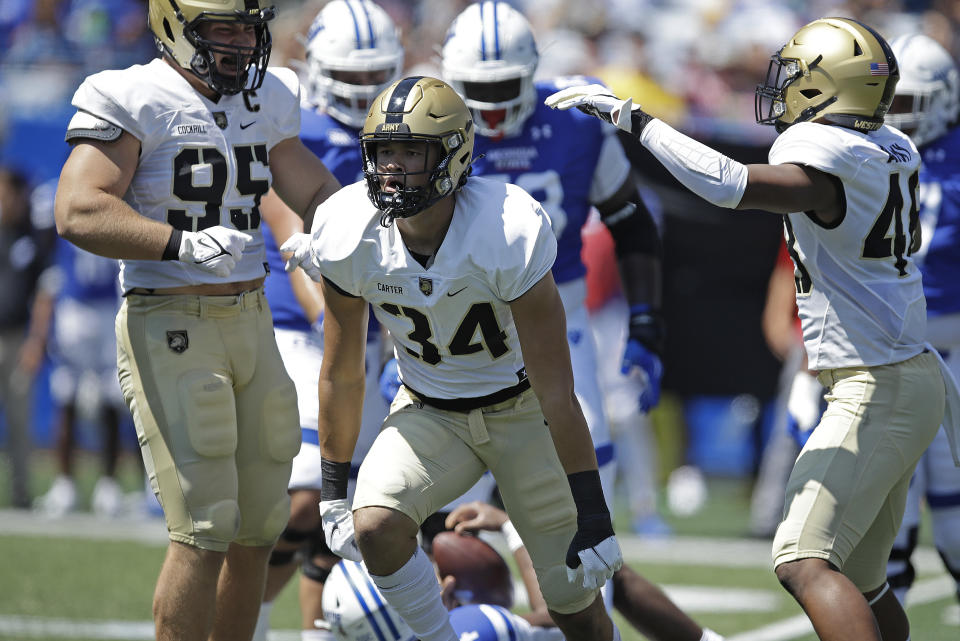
169, 163
458, 271
24, 256
353, 53
569, 163
83, 301
860, 299
925, 108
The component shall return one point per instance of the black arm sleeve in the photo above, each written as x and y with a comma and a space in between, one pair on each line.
632, 226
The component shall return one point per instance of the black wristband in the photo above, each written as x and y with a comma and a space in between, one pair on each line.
335, 477
638, 120
588, 494
172, 250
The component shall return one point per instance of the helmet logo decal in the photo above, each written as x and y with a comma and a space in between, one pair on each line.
879, 69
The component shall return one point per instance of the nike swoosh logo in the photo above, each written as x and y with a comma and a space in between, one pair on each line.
244, 126
456, 292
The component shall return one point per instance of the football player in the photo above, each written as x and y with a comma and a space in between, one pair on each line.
168, 166
925, 107
353, 53
458, 271
846, 185
569, 163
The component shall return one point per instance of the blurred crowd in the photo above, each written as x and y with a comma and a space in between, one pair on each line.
693, 63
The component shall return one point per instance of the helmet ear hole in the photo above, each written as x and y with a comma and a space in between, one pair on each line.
168, 30
810, 94
857, 51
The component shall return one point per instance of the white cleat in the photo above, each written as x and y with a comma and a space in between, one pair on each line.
59, 500
107, 499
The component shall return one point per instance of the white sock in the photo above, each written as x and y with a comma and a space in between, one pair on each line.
317, 635
263, 622
413, 591
710, 635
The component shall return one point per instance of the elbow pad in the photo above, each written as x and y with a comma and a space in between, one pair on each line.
706, 172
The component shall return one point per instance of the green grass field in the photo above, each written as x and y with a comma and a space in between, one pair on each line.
66, 579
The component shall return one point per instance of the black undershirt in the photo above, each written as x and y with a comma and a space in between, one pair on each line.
423, 259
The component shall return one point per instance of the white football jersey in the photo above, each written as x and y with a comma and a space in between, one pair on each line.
858, 289
452, 321
202, 163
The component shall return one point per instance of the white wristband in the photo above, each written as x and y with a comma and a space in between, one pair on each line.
514, 542
706, 172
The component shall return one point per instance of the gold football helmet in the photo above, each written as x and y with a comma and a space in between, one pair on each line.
174, 24
835, 69
418, 109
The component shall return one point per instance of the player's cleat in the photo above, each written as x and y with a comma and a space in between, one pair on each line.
107, 498
59, 500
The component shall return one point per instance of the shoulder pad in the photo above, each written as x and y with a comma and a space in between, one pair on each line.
86, 125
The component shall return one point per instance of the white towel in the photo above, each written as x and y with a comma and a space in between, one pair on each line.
951, 412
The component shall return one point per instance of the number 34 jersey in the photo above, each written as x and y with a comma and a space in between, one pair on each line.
202, 163
859, 291
451, 321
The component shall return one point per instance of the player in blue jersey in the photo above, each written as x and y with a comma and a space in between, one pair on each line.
353, 52
926, 107
570, 163
82, 290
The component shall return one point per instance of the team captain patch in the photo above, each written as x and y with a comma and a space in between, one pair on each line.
86, 125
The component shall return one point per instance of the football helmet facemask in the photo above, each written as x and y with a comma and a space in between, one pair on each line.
353, 53
355, 609
421, 110
928, 95
175, 25
836, 69
489, 57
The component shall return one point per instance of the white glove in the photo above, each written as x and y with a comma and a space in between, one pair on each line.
595, 100
301, 246
215, 249
337, 521
597, 564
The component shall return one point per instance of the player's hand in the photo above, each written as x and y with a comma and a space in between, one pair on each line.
804, 406
476, 515
215, 249
594, 554
597, 101
337, 521
389, 380
636, 355
300, 247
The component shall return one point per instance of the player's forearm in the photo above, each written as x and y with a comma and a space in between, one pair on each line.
570, 435
641, 277
341, 407
105, 225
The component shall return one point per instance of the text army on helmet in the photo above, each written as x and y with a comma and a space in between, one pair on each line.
353, 53
355, 609
836, 69
489, 57
175, 28
927, 101
423, 110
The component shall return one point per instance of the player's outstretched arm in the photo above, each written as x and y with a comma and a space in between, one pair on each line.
594, 554
300, 178
715, 177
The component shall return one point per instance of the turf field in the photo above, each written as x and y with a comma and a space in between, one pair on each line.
83, 578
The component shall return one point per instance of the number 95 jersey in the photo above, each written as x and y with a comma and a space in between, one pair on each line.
202, 163
451, 321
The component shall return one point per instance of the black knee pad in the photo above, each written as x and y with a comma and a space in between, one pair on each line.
296, 539
317, 546
905, 578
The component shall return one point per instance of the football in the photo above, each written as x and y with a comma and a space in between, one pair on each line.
481, 573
